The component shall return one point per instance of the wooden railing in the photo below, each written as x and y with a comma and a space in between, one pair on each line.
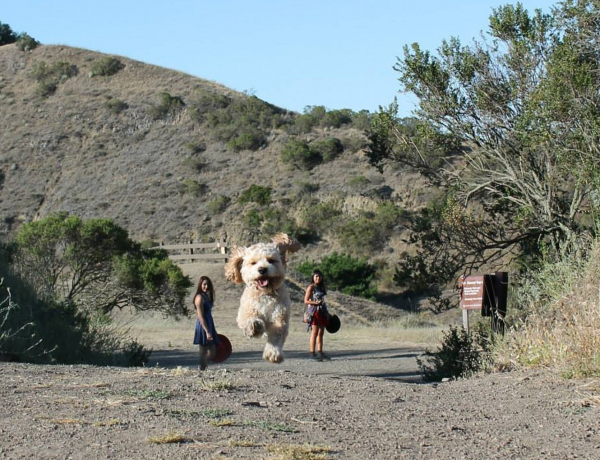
193, 252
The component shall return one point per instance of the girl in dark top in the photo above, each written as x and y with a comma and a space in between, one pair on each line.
205, 334
314, 298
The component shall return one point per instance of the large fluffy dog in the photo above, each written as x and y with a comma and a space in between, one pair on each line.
265, 303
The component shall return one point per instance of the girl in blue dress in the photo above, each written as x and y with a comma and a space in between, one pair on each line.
205, 334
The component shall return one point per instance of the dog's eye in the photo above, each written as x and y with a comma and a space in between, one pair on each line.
271, 260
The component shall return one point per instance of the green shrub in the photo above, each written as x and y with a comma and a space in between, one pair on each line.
460, 354
219, 204
299, 154
49, 77
106, 67
321, 218
252, 219
344, 273
328, 149
26, 43
168, 106
249, 140
256, 194
45, 89
336, 118
361, 121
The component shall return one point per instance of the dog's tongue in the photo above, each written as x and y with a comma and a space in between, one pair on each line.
263, 282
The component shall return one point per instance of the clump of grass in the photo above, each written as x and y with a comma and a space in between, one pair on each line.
112, 422
300, 452
244, 443
170, 438
217, 385
222, 422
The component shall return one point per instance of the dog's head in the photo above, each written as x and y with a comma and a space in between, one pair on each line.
262, 265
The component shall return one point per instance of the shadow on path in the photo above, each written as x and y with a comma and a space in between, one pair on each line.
388, 363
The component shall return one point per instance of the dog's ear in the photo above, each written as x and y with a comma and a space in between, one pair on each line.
285, 244
234, 265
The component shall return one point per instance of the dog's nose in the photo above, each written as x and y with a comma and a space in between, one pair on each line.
262, 270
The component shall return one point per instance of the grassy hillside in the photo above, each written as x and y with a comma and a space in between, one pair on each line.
171, 157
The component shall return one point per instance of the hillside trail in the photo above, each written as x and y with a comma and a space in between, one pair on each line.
365, 353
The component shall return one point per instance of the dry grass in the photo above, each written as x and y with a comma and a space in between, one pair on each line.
299, 452
170, 438
562, 329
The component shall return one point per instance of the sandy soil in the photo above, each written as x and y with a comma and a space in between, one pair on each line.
368, 402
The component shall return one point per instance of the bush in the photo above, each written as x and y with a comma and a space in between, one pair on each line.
460, 354
344, 273
106, 67
26, 43
256, 194
336, 118
328, 149
49, 77
299, 154
168, 106
249, 140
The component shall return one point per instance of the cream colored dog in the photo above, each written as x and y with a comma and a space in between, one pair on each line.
265, 303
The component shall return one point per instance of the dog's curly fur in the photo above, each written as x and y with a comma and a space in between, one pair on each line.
265, 303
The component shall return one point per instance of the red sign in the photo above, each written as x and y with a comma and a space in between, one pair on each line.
471, 292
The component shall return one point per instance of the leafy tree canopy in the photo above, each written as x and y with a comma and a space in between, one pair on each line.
509, 126
95, 265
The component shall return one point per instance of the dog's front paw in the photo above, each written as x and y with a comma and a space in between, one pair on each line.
272, 354
254, 328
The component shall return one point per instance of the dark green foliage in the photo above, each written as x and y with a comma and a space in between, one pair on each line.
361, 120
243, 123
36, 330
106, 67
95, 265
336, 118
329, 149
344, 273
49, 77
168, 106
256, 194
300, 154
251, 139
252, 220
7, 36
26, 43
460, 355
369, 232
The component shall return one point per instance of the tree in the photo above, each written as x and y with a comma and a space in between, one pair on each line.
7, 36
95, 265
522, 105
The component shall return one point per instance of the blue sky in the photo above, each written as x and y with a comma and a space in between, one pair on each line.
291, 53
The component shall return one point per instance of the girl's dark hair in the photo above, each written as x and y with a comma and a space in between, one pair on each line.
211, 289
321, 285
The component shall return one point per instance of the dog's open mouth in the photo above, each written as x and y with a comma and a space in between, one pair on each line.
263, 282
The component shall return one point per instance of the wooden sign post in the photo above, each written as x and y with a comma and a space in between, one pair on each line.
487, 293
472, 290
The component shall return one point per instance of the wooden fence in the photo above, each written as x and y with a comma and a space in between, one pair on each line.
193, 252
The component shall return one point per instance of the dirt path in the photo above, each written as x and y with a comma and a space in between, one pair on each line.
363, 404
